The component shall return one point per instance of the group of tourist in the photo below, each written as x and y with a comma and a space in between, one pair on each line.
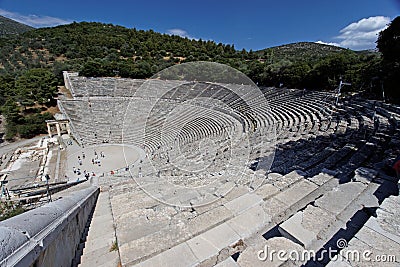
94, 160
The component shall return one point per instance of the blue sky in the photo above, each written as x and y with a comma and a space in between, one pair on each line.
251, 24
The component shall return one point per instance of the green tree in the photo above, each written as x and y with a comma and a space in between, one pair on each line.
388, 44
36, 85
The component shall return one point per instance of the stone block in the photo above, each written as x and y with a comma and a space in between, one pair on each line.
364, 175
321, 178
337, 199
151, 244
296, 192
221, 236
266, 191
202, 248
385, 225
100, 258
378, 243
243, 203
250, 221
178, 256
229, 262
304, 227
289, 179
274, 207
209, 219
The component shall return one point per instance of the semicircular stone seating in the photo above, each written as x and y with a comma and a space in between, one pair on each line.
329, 178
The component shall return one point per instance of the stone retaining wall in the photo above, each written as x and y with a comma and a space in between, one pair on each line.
48, 235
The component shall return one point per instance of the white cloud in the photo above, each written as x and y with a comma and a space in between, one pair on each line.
362, 34
179, 32
321, 42
34, 20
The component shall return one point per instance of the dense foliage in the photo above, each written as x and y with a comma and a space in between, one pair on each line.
31, 64
9, 26
389, 45
24, 100
10, 209
96, 49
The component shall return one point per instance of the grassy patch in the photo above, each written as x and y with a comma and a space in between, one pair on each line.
114, 246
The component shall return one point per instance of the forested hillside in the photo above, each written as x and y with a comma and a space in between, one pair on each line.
31, 64
96, 49
9, 26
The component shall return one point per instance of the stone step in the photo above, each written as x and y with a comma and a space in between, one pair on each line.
315, 225
380, 235
245, 223
101, 257
101, 248
242, 203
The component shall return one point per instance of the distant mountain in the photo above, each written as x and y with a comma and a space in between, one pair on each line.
9, 26
302, 51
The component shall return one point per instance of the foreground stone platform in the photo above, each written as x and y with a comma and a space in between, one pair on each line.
278, 215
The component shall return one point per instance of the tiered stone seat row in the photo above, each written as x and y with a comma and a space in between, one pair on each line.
327, 172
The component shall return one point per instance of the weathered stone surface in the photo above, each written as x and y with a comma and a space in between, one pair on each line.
136, 228
229, 262
131, 201
273, 176
304, 226
100, 257
296, 192
387, 227
321, 178
207, 202
221, 236
182, 197
337, 199
138, 223
242, 203
387, 219
249, 257
367, 240
274, 207
180, 255
380, 244
236, 192
266, 191
289, 179
391, 205
202, 248
225, 189
152, 244
250, 221
55, 236
11, 240
366, 199
207, 220
101, 236
364, 175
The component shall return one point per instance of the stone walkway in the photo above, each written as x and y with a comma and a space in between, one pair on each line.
101, 247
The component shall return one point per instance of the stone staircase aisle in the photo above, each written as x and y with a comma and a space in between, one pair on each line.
100, 248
